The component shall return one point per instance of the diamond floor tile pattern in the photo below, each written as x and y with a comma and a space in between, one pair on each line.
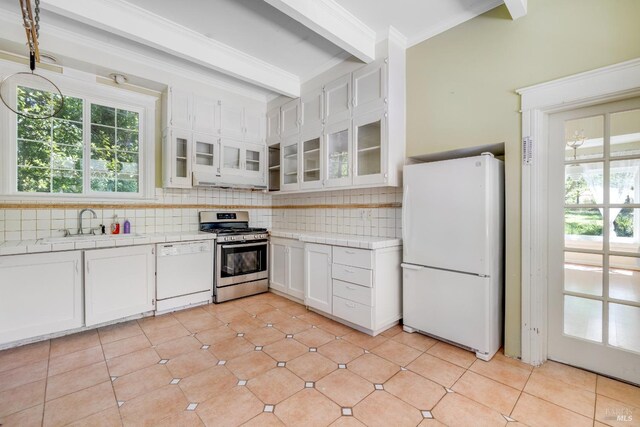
268, 361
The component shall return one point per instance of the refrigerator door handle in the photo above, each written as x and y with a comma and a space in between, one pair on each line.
412, 266
405, 212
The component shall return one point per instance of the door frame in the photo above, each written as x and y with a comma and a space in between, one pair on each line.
612, 83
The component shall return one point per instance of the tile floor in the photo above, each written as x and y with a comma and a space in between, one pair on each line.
266, 361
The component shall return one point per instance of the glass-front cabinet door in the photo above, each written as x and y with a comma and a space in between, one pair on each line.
338, 154
230, 157
178, 163
370, 148
289, 163
205, 154
311, 162
253, 161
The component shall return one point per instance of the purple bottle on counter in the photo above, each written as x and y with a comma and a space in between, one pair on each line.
127, 226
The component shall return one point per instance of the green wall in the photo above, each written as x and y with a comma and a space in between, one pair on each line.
461, 89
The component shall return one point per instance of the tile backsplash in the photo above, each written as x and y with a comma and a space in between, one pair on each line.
176, 210
305, 212
145, 218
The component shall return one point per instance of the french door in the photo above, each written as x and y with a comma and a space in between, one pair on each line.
594, 239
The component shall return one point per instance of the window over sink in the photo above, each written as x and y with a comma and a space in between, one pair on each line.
99, 145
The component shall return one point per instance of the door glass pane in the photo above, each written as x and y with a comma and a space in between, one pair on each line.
624, 278
623, 180
181, 147
583, 318
368, 138
625, 133
204, 153
290, 164
338, 154
311, 160
583, 228
624, 326
253, 160
583, 183
584, 138
583, 273
231, 157
624, 230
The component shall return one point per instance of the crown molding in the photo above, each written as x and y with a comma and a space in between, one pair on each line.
397, 37
456, 20
142, 26
334, 23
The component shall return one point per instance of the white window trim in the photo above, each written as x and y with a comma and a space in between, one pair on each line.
602, 85
84, 86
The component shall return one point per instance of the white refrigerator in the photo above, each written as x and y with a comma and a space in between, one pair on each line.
453, 239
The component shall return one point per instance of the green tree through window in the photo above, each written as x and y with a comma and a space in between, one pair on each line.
50, 150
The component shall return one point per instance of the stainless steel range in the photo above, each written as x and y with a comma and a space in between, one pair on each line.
241, 255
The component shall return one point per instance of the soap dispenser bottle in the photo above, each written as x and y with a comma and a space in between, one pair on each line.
127, 226
115, 226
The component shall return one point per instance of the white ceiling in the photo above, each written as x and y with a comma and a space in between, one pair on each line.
266, 37
417, 20
253, 27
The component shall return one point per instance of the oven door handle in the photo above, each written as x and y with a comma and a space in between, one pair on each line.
243, 245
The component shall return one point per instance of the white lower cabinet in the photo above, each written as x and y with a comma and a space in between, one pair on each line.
40, 294
317, 277
287, 267
118, 282
364, 287
367, 287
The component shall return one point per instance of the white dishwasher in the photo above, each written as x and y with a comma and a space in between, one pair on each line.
184, 274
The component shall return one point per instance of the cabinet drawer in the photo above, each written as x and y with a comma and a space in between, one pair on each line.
352, 274
352, 292
362, 258
353, 312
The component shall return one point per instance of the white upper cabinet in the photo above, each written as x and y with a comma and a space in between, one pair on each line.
206, 153
231, 119
189, 111
178, 105
254, 125
311, 160
177, 158
337, 100
370, 150
231, 157
338, 154
369, 88
204, 115
290, 163
254, 162
273, 126
311, 112
240, 122
290, 118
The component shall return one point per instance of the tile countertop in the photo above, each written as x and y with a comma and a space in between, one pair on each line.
349, 240
15, 247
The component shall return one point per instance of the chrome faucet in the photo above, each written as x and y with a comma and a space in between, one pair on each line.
94, 216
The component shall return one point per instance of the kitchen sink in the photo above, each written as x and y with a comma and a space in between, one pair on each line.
88, 237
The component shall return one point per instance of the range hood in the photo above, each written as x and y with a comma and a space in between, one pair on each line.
203, 179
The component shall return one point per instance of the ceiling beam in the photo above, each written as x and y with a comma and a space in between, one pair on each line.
517, 8
334, 23
139, 25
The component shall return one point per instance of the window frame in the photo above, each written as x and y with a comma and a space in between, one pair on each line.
91, 92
